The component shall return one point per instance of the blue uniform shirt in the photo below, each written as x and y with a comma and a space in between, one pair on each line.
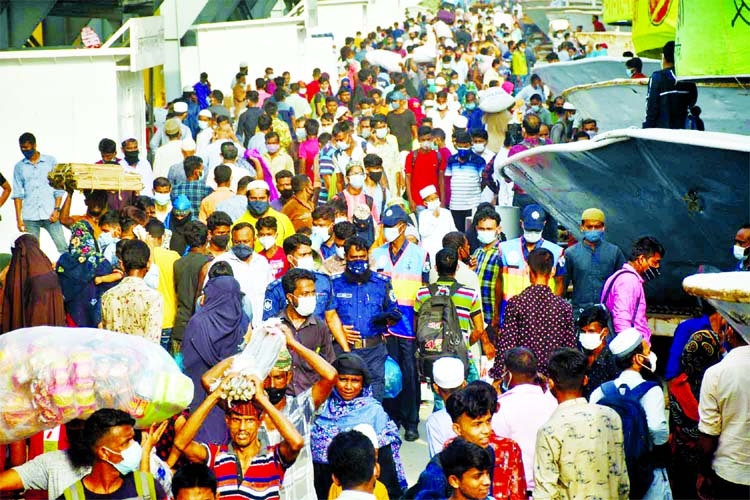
275, 301
360, 303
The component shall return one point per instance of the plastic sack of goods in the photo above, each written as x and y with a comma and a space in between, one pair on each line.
52, 375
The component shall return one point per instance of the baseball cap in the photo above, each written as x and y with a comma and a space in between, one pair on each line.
393, 215
533, 217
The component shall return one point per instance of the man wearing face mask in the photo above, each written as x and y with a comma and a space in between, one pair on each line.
375, 183
562, 130
367, 306
408, 266
593, 326
535, 107
591, 261
633, 355
300, 409
465, 171
401, 121
258, 206
132, 162
283, 180
354, 196
434, 223
479, 138
423, 167
346, 153
299, 208
115, 457
514, 254
623, 293
298, 250
742, 248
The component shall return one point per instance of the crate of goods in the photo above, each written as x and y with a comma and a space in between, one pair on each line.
72, 176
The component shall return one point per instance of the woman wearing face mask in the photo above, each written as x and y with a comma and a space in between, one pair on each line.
354, 194
214, 333
637, 363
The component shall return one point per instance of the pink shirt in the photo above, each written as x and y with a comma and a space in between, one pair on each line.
308, 150
627, 299
353, 201
523, 410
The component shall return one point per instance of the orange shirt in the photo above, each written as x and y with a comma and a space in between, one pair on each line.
299, 212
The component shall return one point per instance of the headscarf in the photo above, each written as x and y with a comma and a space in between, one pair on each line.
702, 351
340, 416
76, 271
32, 295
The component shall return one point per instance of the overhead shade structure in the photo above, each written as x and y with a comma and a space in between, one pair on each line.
713, 39
618, 11
654, 24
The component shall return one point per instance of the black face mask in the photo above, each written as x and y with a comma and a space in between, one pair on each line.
286, 193
375, 176
275, 395
132, 157
221, 241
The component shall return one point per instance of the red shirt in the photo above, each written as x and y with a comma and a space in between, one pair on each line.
425, 169
508, 478
598, 26
312, 88
278, 262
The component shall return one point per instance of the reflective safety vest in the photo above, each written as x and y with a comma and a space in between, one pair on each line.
515, 272
406, 280
144, 486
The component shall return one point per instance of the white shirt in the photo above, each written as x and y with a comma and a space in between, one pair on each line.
143, 168
439, 427
300, 105
724, 410
254, 277
523, 410
237, 174
432, 228
166, 156
355, 495
203, 140
342, 159
213, 156
652, 402
445, 123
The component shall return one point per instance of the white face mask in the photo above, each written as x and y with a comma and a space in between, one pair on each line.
301, 133
305, 305
320, 232
267, 241
161, 199
342, 145
478, 148
357, 180
486, 236
391, 233
326, 129
442, 107
433, 205
340, 252
532, 236
426, 145
381, 133
739, 252
306, 263
590, 341
652, 361
203, 125
364, 133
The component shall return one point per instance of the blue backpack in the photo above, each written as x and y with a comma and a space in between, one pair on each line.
636, 438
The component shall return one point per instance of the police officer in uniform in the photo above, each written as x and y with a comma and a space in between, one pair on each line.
298, 250
367, 306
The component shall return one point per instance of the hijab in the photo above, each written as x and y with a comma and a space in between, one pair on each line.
32, 295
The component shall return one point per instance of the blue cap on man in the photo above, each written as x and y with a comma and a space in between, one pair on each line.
393, 215
533, 218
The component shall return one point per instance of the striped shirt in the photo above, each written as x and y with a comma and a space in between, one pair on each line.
260, 481
325, 167
488, 270
465, 299
466, 180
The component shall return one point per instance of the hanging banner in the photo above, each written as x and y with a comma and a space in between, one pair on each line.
713, 38
654, 24
618, 11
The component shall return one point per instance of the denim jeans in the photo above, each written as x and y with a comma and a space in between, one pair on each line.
53, 229
166, 335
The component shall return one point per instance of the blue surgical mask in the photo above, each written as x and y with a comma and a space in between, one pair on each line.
28, 153
105, 239
463, 153
131, 459
469, 106
594, 236
242, 251
257, 208
357, 267
395, 105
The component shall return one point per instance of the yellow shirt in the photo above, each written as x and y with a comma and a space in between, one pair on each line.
165, 260
284, 226
380, 492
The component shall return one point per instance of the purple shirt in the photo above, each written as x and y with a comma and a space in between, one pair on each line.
627, 299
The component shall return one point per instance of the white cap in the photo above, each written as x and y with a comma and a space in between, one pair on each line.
206, 113
369, 432
568, 106
427, 191
448, 372
243, 64
460, 121
440, 81
258, 185
180, 107
187, 88
449, 43
399, 40
340, 111
188, 144
625, 342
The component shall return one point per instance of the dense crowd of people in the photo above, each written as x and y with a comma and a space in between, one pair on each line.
359, 210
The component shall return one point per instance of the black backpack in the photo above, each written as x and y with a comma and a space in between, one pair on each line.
636, 438
439, 331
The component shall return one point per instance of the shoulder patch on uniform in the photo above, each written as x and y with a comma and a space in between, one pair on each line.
393, 295
267, 304
561, 261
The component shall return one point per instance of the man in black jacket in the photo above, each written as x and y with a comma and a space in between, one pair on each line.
668, 100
